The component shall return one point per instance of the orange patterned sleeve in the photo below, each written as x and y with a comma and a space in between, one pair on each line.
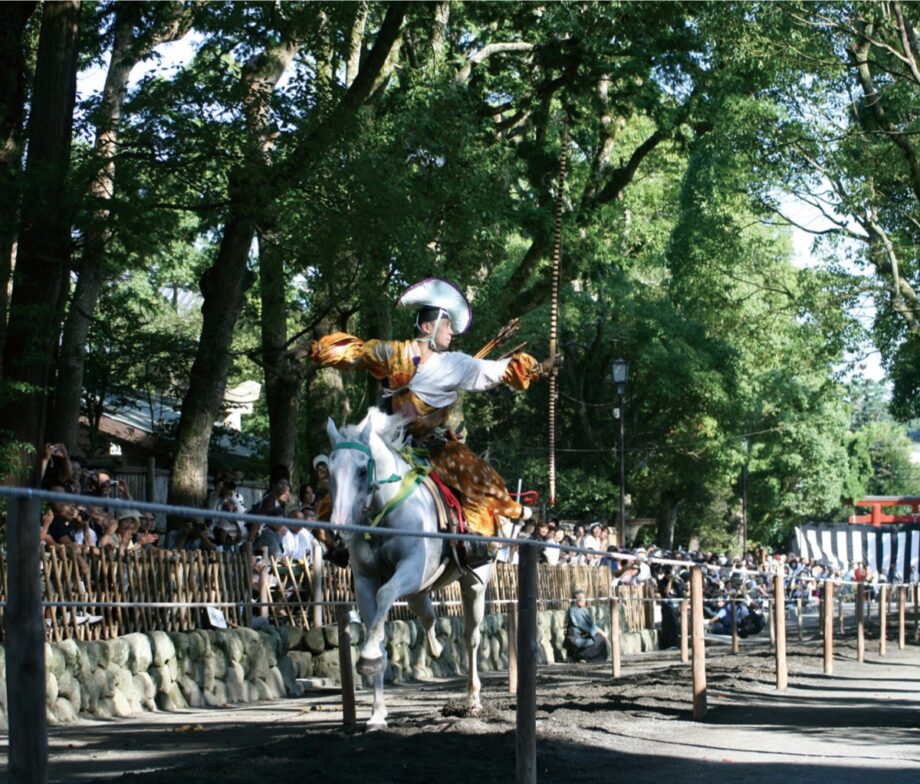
522, 369
346, 352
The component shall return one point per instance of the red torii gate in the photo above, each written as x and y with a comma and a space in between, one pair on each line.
876, 503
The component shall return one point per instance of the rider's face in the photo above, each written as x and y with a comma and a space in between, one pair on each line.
443, 334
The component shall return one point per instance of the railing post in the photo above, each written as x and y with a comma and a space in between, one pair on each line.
247, 610
840, 612
615, 635
916, 612
25, 646
799, 619
779, 595
860, 623
736, 640
318, 587
699, 644
902, 617
526, 736
684, 641
828, 603
512, 648
883, 621
349, 713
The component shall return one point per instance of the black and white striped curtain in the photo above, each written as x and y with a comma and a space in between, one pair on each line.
892, 550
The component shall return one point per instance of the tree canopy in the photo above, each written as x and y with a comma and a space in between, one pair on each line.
308, 160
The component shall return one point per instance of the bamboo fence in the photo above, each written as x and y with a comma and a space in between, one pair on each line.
94, 581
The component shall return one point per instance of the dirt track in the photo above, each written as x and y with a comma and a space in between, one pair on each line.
861, 724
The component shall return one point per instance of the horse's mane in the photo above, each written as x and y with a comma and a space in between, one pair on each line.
391, 428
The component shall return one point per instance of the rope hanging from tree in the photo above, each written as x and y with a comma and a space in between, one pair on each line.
554, 311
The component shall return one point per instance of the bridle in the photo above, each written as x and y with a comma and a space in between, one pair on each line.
410, 480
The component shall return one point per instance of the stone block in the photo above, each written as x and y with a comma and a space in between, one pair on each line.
289, 676
51, 688
122, 705
162, 678
118, 652
301, 662
275, 681
163, 648
326, 665
191, 691
236, 683
69, 689
96, 654
54, 659
315, 640
293, 637
331, 636
72, 654
62, 712
146, 690
217, 697
140, 654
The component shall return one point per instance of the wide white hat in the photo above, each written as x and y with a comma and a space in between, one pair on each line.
438, 293
320, 459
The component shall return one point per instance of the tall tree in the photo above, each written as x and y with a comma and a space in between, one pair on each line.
136, 32
43, 257
13, 82
253, 187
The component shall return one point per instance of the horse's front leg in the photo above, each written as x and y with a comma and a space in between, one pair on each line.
366, 594
405, 580
420, 604
474, 603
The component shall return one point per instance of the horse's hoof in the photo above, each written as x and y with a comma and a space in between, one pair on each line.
376, 725
369, 667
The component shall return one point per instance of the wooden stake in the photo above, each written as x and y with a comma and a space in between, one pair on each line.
828, 627
526, 718
512, 649
349, 715
840, 613
782, 677
860, 623
25, 646
736, 640
883, 621
684, 641
699, 644
615, 635
902, 617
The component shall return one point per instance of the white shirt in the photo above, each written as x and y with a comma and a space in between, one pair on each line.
437, 379
298, 545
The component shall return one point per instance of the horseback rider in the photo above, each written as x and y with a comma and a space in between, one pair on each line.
421, 380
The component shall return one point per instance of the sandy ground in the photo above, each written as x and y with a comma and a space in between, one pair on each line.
861, 724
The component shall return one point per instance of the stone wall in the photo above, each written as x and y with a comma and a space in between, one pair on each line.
168, 671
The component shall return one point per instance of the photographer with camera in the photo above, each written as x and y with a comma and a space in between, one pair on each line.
58, 471
192, 535
226, 534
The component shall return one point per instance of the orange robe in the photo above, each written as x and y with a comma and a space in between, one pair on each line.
483, 492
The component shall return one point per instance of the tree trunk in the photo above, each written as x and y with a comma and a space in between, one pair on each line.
13, 20
44, 235
667, 526
224, 285
283, 380
68, 390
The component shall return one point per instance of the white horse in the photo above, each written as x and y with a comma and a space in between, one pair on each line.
364, 464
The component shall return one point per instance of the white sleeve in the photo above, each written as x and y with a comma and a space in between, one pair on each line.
474, 375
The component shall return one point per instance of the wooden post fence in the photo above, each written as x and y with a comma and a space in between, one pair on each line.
699, 644
512, 648
840, 612
860, 623
615, 636
349, 713
883, 621
828, 616
25, 646
736, 640
526, 735
684, 641
782, 678
902, 617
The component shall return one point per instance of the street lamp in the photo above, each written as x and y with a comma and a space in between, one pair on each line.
620, 369
744, 483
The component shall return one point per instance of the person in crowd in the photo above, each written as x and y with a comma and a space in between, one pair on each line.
225, 497
119, 534
102, 484
584, 641
273, 504
191, 535
593, 542
297, 542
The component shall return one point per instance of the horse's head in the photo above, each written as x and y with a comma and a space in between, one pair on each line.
353, 463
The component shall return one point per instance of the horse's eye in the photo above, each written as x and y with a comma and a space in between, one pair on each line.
362, 471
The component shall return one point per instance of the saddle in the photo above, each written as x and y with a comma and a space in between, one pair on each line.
466, 555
